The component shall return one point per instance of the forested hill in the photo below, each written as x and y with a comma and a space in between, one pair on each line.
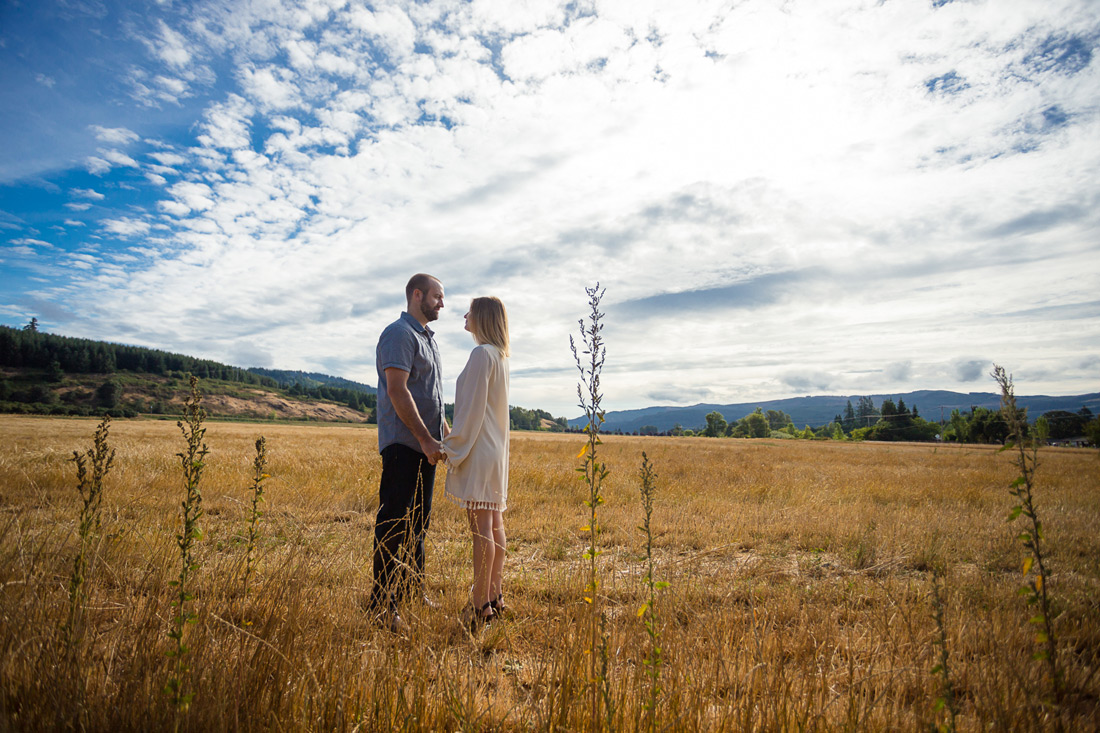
46, 373
33, 349
307, 380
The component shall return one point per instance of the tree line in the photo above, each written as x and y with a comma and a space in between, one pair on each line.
891, 421
29, 348
524, 419
356, 399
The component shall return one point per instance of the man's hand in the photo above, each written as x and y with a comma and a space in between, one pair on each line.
433, 449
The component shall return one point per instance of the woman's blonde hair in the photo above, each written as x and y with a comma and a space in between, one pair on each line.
489, 322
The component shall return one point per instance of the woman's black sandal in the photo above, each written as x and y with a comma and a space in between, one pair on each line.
474, 620
499, 609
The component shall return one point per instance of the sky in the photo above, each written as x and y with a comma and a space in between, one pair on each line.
780, 198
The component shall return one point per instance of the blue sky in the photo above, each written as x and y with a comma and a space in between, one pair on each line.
781, 198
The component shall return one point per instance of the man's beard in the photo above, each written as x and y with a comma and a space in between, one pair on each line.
428, 312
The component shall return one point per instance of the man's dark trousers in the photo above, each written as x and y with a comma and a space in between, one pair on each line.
404, 512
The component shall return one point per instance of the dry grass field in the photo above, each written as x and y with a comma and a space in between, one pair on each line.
799, 597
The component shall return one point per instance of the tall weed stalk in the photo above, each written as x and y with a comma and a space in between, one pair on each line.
259, 475
589, 356
648, 611
946, 700
192, 461
1023, 489
100, 456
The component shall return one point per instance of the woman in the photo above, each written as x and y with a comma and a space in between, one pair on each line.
477, 453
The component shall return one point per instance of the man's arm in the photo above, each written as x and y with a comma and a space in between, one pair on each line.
397, 387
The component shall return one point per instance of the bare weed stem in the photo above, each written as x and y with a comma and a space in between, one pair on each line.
192, 461
1023, 489
91, 492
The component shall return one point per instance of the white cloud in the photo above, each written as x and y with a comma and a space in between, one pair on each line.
126, 227
29, 241
46, 81
96, 166
389, 27
171, 47
114, 135
196, 196
171, 88
227, 124
84, 260
88, 193
270, 87
174, 208
168, 158
117, 157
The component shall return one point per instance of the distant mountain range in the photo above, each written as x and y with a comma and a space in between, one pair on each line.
817, 411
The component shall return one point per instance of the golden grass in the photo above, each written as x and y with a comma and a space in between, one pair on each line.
799, 598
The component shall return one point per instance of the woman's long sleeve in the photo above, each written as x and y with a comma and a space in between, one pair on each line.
470, 405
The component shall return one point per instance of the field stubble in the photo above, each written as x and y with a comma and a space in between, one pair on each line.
799, 597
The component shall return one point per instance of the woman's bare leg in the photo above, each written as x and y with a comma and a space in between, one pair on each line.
500, 550
481, 525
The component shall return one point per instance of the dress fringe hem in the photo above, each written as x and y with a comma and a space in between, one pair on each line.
494, 506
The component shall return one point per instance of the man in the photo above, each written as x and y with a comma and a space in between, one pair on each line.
411, 425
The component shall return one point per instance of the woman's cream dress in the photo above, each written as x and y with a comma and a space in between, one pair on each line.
477, 446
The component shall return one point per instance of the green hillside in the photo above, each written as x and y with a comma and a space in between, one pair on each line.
288, 378
43, 373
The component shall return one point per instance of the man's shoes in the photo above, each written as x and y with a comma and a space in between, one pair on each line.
388, 618
428, 601
391, 620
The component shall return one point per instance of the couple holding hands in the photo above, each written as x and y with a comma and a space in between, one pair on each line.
413, 436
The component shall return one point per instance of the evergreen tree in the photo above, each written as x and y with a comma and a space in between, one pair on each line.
107, 393
848, 422
54, 372
865, 411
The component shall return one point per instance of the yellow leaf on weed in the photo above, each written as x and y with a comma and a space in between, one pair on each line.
641, 611
583, 451
587, 599
1038, 583
585, 528
1027, 564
